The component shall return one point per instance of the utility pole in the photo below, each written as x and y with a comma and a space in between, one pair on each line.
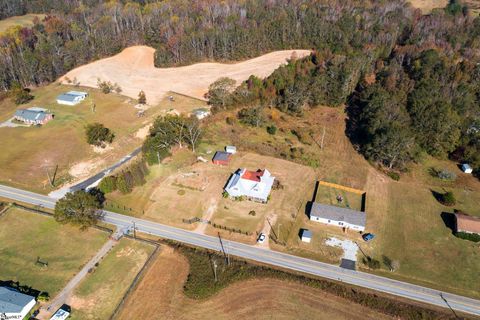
361, 250
134, 231
215, 269
323, 137
279, 231
273, 230
223, 249
49, 179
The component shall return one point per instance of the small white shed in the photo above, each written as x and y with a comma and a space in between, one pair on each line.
306, 235
466, 168
231, 149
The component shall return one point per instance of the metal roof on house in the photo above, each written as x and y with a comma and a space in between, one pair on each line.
466, 167
31, 115
12, 301
350, 216
466, 223
306, 233
71, 96
221, 156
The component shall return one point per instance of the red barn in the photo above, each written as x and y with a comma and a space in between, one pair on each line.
221, 158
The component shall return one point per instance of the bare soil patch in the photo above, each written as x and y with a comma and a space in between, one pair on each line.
133, 70
160, 296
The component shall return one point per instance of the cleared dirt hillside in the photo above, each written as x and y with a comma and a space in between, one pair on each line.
133, 70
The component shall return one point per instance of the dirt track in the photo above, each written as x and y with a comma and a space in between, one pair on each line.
133, 70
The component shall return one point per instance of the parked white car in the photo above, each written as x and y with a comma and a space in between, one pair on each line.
261, 238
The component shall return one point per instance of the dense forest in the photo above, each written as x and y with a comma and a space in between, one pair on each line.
409, 81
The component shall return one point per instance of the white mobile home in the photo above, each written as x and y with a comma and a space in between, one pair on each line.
14, 304
336, 216
71, 98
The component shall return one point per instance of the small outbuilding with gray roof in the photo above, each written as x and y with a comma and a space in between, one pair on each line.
221, 158
71, 98
337, 216
14, 304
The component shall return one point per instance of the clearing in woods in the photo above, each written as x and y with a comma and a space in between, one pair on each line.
133, 70
22, 21
160, 295
26, 236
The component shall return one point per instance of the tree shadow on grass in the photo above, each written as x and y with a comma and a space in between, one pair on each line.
449, 220
21, 288
437, 195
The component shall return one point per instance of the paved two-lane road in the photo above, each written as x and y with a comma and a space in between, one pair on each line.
398, 288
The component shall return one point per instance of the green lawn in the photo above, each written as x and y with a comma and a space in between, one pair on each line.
24, 236
31, 151
328, 195
99, 294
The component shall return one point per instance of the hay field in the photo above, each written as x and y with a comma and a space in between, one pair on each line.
160, 295
133, 70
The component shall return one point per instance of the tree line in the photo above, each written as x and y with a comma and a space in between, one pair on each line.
182, 32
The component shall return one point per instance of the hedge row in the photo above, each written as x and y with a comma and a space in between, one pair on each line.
126, 180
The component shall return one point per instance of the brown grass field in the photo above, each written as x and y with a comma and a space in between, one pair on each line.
428, 5
160, 296
32, 150
404, 215
24, 236
22, 21
100, 292
133, 70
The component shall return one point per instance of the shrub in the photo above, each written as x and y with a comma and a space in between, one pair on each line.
448, 198
371, 263
43, 297
229, 120
272, 129
181, 192
393, 175
122, 185
468, 236
20, 95
252, 213
225, 194
108, 184
443, 174
142, 98
98, 135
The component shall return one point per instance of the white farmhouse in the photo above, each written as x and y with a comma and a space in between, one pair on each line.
71, 98
14, 304
201, 113
336, 216
254, 185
